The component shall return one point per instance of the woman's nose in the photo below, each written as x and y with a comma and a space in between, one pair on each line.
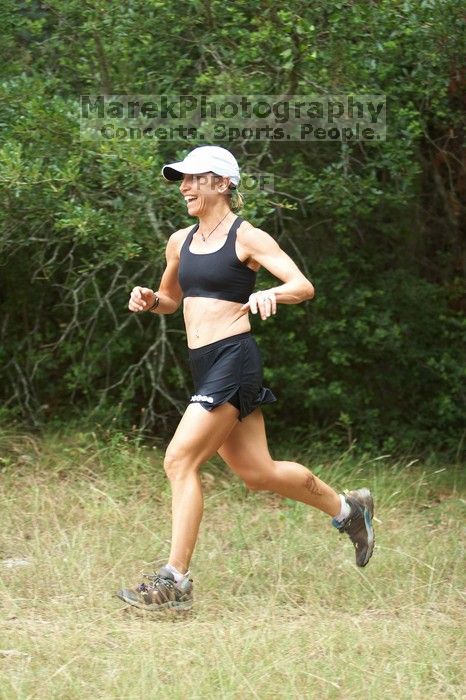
185, 184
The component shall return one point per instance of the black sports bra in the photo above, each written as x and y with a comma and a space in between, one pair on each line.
218, 275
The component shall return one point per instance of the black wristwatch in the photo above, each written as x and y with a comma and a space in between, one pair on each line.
155, 304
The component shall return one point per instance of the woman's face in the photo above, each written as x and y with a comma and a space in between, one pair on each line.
202, 192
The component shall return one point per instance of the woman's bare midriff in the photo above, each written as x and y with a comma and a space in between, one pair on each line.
208, 320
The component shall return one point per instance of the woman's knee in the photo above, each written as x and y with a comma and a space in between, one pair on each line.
178, 462
260, 479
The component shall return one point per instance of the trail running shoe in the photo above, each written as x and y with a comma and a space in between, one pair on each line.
358, 525
162, 592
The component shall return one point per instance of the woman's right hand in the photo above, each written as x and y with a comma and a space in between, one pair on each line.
141, 299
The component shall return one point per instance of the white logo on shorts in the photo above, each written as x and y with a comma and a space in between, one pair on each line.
200, 397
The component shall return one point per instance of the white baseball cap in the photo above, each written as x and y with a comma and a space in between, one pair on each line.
205, 159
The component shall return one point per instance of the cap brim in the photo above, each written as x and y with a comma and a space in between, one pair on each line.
170, 173
175, 171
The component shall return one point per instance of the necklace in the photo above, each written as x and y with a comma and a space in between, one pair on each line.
205, 238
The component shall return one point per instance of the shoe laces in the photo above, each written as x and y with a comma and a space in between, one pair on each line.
346, 524
356, 512
154, 582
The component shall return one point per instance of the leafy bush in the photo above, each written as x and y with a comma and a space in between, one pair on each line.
377, 226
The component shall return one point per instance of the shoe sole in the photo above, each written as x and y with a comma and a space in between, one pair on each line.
169, 605
368, 514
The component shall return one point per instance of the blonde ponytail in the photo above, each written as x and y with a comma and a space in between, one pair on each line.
236, 200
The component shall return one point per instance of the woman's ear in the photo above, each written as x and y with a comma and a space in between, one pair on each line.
224, 184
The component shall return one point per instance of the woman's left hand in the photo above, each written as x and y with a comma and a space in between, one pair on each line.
264, 302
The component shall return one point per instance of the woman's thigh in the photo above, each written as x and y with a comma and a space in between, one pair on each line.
245, 450
200, 433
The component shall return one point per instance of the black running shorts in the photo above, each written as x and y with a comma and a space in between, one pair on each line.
229, 370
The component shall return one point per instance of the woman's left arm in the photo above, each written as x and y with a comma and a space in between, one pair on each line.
263, 249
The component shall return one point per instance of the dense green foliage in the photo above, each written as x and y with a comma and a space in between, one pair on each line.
378, 356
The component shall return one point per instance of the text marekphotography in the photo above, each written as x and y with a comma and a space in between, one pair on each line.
220, 118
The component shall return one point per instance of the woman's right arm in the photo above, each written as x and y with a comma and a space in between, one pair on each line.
169, 292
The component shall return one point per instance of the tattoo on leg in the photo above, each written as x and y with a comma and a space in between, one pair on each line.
312, 486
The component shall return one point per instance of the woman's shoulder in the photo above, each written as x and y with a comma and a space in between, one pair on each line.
177, 238
245, 230
251, 236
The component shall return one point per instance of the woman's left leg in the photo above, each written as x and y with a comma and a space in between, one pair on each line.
246, 452
197, 437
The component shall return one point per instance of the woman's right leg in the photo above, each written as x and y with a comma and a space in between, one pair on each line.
246, 452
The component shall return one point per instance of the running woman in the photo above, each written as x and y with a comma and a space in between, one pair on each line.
211, 269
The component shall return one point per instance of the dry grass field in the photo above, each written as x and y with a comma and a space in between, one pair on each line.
281, 611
